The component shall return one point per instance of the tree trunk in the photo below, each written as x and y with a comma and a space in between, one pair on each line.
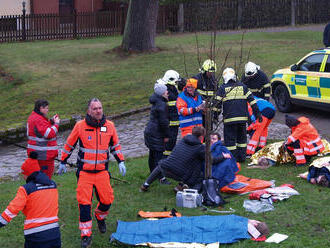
141, 23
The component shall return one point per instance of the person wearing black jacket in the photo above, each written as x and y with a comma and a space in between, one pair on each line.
207, 82
157, 131
256, 81
185, 162
171, 79
234, 96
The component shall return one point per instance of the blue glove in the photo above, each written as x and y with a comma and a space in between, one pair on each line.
122, 168
61, 168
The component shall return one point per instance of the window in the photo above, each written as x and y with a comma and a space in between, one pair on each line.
327, 65
311, 63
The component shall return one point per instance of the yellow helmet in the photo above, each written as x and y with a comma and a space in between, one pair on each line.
209, 66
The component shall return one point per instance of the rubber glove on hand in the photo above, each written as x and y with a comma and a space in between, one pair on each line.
122, 168
61, 169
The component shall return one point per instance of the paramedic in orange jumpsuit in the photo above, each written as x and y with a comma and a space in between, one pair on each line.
304, 139
96, 135
38, 200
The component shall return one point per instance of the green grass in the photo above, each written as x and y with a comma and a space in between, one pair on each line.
70, 72
303, 218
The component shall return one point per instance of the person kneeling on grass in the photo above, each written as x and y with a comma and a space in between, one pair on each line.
184, 163
224, 166
38, 200
304, 139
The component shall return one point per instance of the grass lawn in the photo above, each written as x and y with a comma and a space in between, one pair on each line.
70, 72
303, 218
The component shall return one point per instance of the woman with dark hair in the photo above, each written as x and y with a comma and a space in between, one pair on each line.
41, 133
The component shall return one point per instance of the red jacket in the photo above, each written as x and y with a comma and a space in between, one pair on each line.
38, 200
308, 136
94, 144
41, 136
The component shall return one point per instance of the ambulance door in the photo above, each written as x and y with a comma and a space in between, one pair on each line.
307, 78
325, 79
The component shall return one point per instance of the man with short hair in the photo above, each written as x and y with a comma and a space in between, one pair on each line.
184, 163
96, 135
41, 134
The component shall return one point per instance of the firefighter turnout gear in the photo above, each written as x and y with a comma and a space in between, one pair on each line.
38, 200
41, 134
172, 114
233, 97
256, 81
187, 106
95, 139
304, 140
258, 131
209, 66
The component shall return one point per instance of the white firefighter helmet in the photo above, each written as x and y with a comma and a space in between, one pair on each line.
228, 74
251, 69
160, 81
171, 76
209, 66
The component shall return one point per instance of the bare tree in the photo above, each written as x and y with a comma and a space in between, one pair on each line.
141, 23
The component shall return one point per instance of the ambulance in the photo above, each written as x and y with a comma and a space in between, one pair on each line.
305, 83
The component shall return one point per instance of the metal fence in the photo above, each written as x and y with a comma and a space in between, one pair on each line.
192, 16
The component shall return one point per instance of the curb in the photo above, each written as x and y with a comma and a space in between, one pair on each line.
17, 134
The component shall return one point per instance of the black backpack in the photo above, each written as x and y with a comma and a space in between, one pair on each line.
211, 194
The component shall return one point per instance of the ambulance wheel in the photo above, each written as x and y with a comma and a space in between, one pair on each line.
282, 99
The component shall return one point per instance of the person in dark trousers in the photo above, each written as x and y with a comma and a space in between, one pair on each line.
185, 162
256, 81
38, 200
326, 35
171, 79
233, 96
157, 131
207, 82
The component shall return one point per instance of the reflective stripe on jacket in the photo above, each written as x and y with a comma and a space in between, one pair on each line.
38, 200
94, 145
41, 136
206, 86
234, 96
308, 136
186, 108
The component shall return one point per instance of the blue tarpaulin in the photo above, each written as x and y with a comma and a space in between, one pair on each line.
200, 229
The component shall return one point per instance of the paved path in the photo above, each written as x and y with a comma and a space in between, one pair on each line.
130, 131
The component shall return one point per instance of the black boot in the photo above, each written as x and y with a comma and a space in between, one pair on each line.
101, 225
86, 241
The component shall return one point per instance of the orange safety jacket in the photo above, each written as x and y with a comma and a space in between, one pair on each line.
94, 144
38, 200
308, 136
41, 134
